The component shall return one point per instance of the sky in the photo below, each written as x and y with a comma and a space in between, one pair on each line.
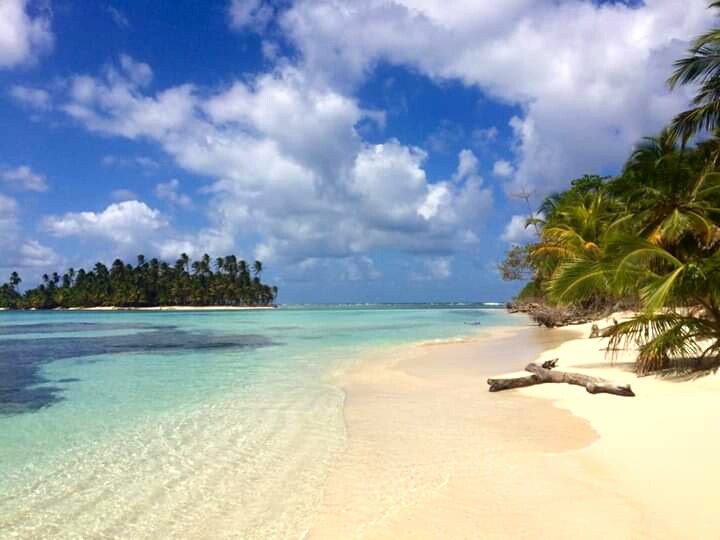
365, 151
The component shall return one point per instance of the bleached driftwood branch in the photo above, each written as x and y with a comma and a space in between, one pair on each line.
543, 374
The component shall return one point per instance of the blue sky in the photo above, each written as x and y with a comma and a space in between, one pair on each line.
365, 151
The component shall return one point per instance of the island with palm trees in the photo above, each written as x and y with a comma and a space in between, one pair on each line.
149, 284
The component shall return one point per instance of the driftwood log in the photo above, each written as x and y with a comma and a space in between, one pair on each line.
543, 374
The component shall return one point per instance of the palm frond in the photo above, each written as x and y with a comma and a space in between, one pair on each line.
656, 293
578, 279
664, 339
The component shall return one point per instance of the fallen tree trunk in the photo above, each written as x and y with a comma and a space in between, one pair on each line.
544, 374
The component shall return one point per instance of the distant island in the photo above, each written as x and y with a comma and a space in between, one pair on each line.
149, 284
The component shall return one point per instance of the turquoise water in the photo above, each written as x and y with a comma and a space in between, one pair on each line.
191, 424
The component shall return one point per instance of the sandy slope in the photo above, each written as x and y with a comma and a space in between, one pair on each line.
661, 446
432, 454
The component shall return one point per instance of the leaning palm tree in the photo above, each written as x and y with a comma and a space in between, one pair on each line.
573, 235
669, 191
680, 327
701, 66
669, 258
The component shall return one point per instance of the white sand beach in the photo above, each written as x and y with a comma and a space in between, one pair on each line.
433, 454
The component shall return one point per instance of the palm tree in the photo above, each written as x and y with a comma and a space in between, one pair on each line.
667, 336
669, 191
149, 283
15, 280
701, 66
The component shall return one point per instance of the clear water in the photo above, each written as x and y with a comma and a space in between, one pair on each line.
186, 424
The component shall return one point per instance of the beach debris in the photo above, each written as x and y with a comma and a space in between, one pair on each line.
594, 331
544, 374
549, 364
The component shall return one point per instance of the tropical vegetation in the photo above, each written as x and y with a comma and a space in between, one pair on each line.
648, 238
149, 283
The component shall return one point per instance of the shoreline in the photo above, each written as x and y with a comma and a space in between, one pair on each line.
659, 446
424, 441
152, 308
431, 453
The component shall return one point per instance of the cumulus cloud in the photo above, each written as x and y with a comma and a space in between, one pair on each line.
250, 14
484, 136
467, 166
359, 268
22, 178
23, 37
138, 72
170, 191
517, 231
17, 252
503, 168
589, 77
36, 98
287, 159
433, 268
128, 223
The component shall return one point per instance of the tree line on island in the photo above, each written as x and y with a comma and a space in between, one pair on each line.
150, 283
647, 239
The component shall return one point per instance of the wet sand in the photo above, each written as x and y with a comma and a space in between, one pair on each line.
432, 454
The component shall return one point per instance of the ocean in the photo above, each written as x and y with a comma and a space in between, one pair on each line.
187, 424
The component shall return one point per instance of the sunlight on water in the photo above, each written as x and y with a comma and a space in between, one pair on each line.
196, 424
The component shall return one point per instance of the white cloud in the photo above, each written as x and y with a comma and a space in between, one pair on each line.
138, 72
169, 191
24, 179
36, 98
503, 168
484, 136
131, 226
115, 104
17, 252
118, 17
143, 162
23, 37
34, 254
359, 268
196, 244
250, 14
433, 269
589, 77
288, 160
467, 166
129, 223
517, 231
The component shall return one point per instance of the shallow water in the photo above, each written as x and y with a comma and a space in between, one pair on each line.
191, 424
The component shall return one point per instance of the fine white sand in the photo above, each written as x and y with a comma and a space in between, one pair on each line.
660, 449
433, 454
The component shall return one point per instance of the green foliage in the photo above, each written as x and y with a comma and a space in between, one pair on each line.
516, 265
651, 235
700, 67
531, 291
148, 283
